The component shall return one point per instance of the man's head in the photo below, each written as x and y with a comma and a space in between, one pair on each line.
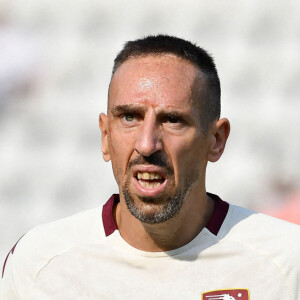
208, 95
154, 131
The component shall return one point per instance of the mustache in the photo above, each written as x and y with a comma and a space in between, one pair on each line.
155, 159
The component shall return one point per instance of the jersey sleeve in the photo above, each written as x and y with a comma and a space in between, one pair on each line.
20, 269
38, 246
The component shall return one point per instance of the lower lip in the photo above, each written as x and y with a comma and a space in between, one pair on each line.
149, 192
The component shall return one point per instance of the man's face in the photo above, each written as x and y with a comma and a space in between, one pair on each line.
153, 137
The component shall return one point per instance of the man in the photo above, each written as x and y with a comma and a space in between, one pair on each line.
163, 236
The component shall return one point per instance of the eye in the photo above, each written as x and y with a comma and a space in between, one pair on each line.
128, 117
173, 119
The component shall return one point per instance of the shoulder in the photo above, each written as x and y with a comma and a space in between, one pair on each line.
36, 248
53, 237
275, 239
77, 227
248, 224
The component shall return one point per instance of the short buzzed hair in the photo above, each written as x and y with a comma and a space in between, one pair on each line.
210, 107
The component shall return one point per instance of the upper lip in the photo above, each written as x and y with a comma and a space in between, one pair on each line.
149, 169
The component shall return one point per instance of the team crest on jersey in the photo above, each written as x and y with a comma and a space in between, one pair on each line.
232, 294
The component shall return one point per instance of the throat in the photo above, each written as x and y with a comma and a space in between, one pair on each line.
172, 234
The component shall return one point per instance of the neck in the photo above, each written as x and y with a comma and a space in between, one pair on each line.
172, 234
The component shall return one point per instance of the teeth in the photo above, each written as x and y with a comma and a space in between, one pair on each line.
149, 185
148, 175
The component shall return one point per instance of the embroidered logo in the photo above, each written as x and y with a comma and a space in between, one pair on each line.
231, 294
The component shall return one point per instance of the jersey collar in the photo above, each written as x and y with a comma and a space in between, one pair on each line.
213, 225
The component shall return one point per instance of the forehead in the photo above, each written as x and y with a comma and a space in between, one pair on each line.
160, 80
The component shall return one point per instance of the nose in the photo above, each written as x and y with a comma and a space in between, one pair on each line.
149, 136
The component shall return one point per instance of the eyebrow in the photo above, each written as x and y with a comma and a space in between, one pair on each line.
137, 109
119, 109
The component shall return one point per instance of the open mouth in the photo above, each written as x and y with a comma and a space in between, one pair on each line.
150, 180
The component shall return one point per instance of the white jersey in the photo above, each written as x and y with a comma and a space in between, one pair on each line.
240, 254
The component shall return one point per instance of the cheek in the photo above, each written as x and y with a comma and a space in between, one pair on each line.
121, 150
185, 146
121, 144
187, 154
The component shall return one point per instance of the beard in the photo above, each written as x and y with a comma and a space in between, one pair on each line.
157, 210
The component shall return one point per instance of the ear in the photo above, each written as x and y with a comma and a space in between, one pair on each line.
220, 132
103, 124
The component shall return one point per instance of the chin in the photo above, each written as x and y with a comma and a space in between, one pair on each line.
153, 210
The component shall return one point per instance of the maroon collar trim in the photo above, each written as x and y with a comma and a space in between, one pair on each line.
109, 223
219, 214
213, 225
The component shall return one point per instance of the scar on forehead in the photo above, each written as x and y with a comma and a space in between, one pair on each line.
145, 83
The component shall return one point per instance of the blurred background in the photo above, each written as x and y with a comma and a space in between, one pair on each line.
56, 58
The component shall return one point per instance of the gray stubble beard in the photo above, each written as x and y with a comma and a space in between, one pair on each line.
168, 210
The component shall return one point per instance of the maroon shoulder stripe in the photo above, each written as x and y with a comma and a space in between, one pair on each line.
218, 216
109, 223
10, 252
